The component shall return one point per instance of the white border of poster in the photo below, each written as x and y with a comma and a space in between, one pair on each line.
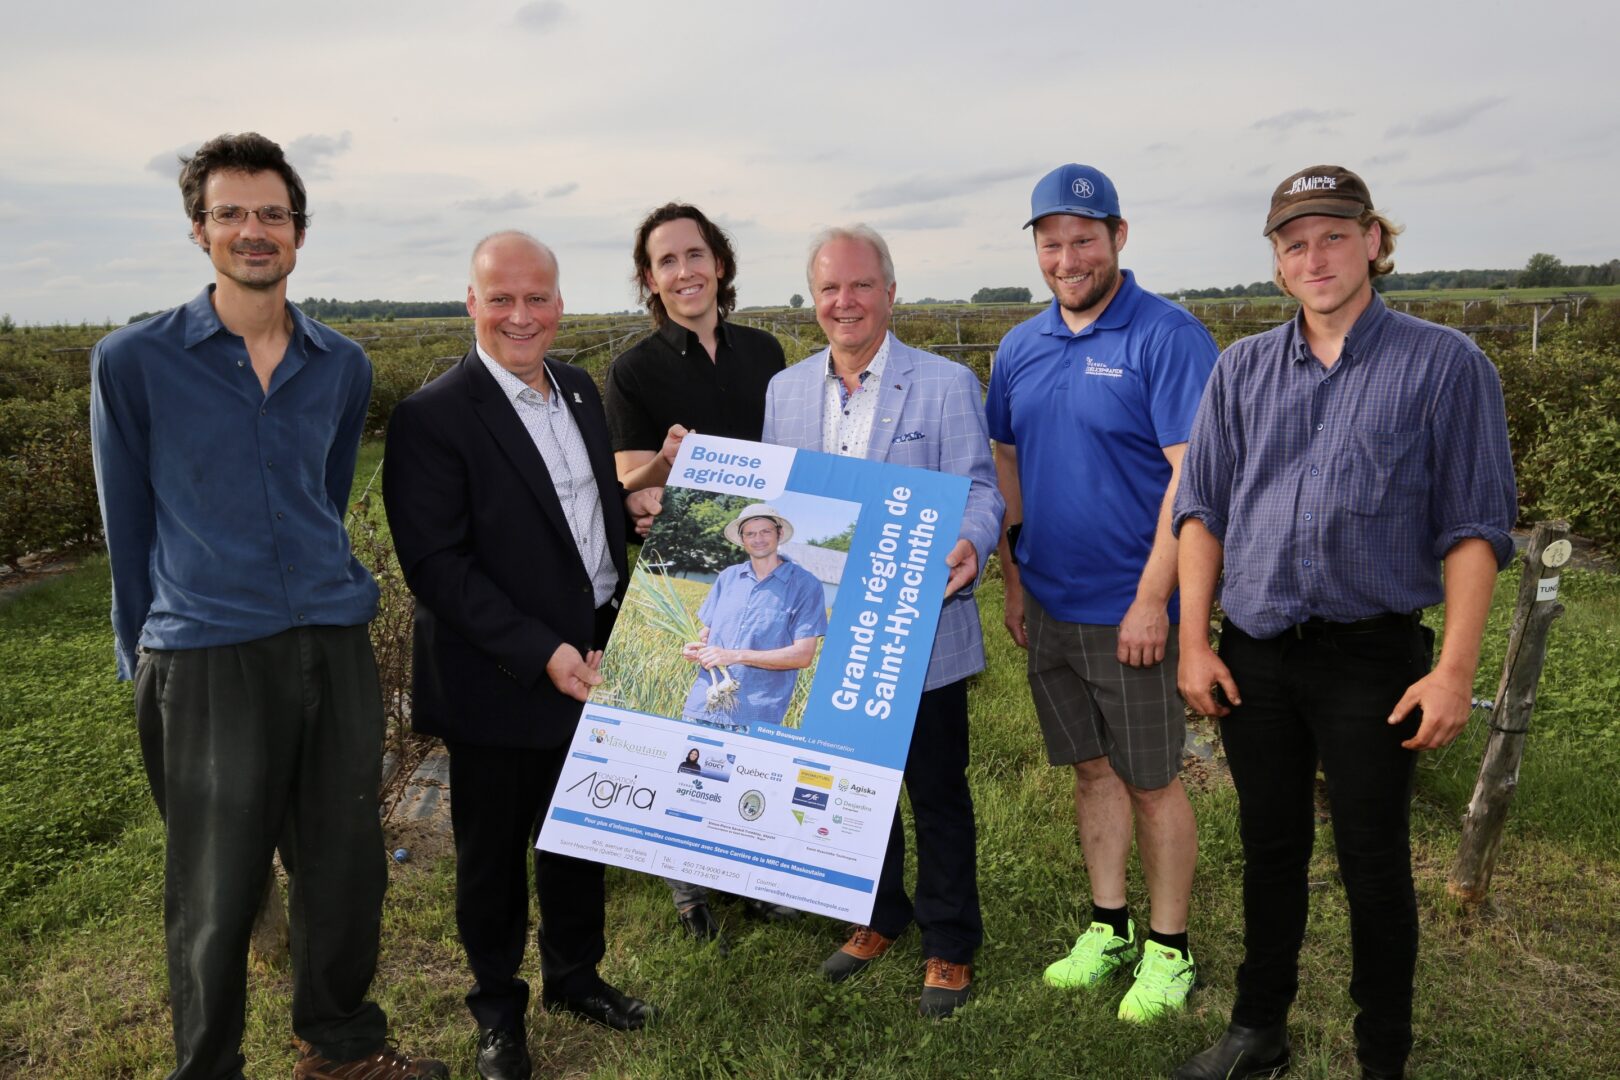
795, 812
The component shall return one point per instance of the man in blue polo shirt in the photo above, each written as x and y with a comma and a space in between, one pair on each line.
1089, 404
225, 434
761, 621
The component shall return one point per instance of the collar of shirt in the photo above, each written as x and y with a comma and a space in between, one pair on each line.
682, 339
202, 322
1357, 342
873, 371
1116, 316
514, 387
748, 568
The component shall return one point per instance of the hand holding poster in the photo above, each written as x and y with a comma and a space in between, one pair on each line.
761, 683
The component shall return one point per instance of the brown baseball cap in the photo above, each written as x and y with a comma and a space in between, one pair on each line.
1320, 189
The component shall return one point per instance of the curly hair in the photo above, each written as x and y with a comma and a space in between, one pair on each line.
713, 235
248, 152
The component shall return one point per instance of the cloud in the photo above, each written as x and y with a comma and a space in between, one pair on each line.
1394, 157
1293, 118
311, 153
1518, 165
562, 189
28, 266
167, 164
541, 15
922, 219
498, 204
932, 188
1434, 123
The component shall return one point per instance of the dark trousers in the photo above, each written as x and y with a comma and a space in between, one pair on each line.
1327, 696
270, 744
497, 794
946, 909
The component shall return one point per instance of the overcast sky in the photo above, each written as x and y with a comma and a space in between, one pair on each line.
1487, 128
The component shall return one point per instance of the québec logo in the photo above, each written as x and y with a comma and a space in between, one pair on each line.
606, 790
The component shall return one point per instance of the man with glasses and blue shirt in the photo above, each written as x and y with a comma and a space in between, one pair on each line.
761, 621
225, 434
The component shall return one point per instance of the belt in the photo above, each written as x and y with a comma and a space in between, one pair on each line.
1322, 628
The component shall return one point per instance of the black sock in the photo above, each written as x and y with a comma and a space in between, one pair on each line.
1174, 941
1117, 918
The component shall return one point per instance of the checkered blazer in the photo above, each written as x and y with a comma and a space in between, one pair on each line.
930, 414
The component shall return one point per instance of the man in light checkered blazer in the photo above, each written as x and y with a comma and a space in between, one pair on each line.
869, 396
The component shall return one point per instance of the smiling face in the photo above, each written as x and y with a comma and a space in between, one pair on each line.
252, 254
515, 305
685, 274
1080, 261
853, 302
760, 537
1324, 261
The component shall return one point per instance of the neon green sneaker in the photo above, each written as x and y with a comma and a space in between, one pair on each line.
1098, 955
1164, 978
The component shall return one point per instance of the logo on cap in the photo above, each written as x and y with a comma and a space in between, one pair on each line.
1083, 188
1314, 183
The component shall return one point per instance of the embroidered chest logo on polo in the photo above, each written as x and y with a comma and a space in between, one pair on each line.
1097, 367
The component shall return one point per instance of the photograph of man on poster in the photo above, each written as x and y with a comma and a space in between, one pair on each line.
760, 625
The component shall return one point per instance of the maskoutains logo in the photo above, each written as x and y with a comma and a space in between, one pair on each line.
619, 742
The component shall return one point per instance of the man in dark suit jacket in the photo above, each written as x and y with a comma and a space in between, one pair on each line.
510, 528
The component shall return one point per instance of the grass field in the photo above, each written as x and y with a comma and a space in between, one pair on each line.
1529, 987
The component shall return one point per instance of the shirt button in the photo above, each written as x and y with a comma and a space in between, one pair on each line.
290, 569
264, 412
300, 616
1314, 470
241, 363
1306, 562
1307, 515
279, 515
1318, 427
269, 464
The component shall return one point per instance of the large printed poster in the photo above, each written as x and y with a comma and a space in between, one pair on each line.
760, 685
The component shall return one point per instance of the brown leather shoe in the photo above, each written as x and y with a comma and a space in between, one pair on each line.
384, 1063
864, 946
945, 987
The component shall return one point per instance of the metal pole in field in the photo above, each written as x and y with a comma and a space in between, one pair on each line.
1510, 718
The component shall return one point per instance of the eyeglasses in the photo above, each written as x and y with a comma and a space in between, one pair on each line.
227, 214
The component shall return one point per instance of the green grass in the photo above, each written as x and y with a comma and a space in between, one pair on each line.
1529, 987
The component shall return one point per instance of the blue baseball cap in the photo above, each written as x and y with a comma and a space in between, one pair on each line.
1073, 189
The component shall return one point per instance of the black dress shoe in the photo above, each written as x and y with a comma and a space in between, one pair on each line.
701, 924
605, 1005
503, 1054
764, 909
1240, 1052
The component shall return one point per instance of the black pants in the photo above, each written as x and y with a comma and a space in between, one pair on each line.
497, 794
270, 744
947, 905
1328, 696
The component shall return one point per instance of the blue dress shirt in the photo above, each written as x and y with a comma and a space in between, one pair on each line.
223, 505
1337, 491
745, 612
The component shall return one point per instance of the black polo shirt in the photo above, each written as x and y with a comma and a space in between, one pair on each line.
668, 378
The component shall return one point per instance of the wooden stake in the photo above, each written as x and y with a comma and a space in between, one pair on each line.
1510, 717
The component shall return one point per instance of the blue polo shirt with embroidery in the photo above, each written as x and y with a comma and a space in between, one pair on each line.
1089, 415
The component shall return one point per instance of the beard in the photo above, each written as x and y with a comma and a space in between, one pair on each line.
1102, 280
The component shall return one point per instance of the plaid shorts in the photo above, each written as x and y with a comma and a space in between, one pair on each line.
1090, 705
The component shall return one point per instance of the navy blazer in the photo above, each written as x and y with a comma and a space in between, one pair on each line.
485, 547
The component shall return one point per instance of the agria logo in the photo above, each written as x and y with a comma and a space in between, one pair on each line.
605, 790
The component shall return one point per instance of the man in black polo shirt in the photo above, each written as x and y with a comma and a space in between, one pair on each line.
698, 371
